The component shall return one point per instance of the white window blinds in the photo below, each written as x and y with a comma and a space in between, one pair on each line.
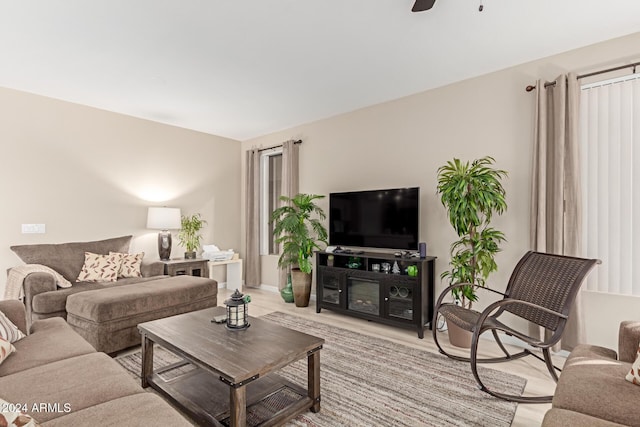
610, 154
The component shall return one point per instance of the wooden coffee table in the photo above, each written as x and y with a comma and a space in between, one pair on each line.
228, 384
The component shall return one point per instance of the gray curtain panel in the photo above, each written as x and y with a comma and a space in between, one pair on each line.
290, 183
556, 206
252, 256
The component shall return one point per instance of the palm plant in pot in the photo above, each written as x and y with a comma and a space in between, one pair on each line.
471, 193
298, 227
189, 234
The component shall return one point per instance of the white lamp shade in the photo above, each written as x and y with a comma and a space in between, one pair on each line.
164, 218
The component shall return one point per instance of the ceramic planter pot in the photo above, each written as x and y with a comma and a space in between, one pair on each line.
459, 337
301, 287
287, 291
190, 255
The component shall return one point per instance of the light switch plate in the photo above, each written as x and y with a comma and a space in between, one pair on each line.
33, 229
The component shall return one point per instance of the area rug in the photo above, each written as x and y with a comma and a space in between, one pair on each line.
368, 381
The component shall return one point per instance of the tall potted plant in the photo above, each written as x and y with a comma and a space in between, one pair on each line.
189, 234
298, 228
471, 193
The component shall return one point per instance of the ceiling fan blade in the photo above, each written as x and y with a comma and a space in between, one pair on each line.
422, 5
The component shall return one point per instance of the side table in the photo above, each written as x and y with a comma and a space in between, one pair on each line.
234, 272
189, 267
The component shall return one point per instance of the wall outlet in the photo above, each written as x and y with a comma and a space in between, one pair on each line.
33, 229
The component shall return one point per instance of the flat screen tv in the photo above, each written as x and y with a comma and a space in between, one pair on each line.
375, 219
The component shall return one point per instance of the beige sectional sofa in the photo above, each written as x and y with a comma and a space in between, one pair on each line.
63, 381
43, 299
106, 314
592, 390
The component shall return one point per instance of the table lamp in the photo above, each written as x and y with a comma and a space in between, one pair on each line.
164, 219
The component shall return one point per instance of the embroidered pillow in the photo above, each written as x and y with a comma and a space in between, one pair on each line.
118, 257
99, 268
12, 415
634, 375
130, 264
6, 348
8, 330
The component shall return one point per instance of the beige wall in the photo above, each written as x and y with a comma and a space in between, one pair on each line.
403, 142
90, 174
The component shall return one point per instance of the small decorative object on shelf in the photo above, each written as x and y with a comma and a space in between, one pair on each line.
396, 268
354, 262
237, 310
412, 270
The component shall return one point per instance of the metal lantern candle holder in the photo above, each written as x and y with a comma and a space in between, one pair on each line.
238, 310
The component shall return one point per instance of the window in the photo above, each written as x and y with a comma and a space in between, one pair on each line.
610, 148
271, 189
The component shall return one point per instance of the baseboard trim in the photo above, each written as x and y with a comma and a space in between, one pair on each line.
269, 288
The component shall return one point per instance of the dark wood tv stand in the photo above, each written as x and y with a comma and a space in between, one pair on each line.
349, 284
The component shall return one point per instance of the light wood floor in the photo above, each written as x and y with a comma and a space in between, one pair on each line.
538, 380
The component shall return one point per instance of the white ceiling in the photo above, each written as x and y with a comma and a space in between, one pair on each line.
245, 68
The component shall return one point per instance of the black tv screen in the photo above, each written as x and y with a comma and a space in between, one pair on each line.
375, 219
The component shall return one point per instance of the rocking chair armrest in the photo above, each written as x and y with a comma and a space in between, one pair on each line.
494, 291
510, 301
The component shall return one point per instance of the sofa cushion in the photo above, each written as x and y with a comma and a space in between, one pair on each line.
56, 301
129, 301
6, 348
50, 340
634, 373
592, 382
140, 409
8, 330
563, 418
68, 258
77, 383
99, 268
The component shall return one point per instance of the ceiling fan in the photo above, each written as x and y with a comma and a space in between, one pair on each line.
422, 5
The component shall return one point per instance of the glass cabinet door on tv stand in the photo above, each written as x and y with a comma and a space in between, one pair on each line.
330, 287
356, 285
400, 301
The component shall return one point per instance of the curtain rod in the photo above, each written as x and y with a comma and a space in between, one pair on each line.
595, 73
278, 146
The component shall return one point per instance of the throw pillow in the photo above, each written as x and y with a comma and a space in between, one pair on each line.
99, 268
6, 348
11, 415
130, 265
8, 330
634, 375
